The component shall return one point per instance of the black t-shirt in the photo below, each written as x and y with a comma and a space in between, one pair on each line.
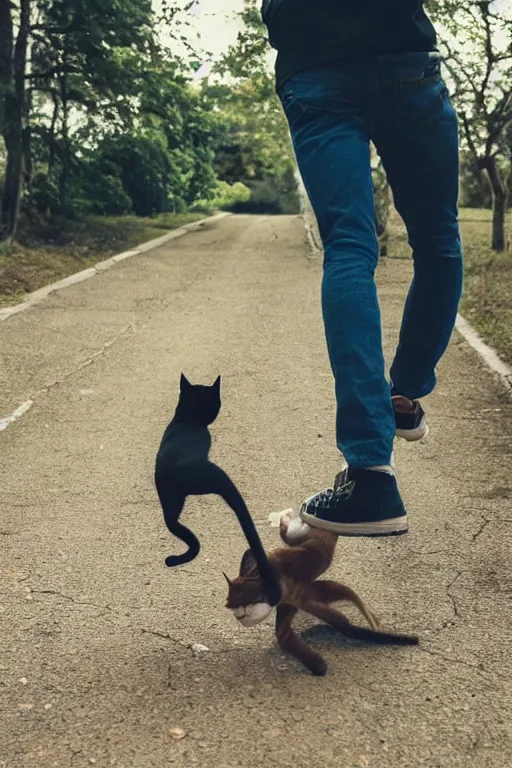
309, 33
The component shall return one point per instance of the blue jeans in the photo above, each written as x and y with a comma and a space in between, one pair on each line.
401, 104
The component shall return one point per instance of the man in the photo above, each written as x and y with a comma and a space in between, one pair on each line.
347, 72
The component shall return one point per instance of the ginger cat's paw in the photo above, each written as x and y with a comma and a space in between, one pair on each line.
284, 523
317, 666
276, 517
293, 531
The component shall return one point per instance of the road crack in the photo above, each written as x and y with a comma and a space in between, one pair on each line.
453, 600
71, 599
163, 634
478, 667
482, 528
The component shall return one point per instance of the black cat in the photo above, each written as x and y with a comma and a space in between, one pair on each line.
182, 469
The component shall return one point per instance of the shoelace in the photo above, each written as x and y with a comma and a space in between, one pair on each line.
330, 495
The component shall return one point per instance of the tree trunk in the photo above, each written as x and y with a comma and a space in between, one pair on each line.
6, 50
13, 130
499, 203
27, 141
6, 81
52, 137
499, 210
12, 183
27, 157
65, 155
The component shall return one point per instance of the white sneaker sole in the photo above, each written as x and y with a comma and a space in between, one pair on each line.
412, 435
396, 526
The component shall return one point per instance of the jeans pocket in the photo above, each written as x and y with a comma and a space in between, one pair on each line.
421, 100
294, 106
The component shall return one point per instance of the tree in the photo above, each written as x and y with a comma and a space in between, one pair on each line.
252, 141
73, 72
86, 62
12, 109
476, 38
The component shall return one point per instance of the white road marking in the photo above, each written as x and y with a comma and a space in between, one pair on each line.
16, 414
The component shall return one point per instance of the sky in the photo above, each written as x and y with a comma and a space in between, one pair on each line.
216, 22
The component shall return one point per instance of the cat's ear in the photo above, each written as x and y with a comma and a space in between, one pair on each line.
216, 384
230, 583
248, 566
184, 383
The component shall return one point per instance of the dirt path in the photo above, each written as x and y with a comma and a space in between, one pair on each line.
95, 633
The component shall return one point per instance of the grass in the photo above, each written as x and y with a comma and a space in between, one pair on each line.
487, 300
48, 252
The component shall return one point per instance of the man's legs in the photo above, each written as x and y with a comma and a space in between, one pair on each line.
330, 132
331, 142
418, 143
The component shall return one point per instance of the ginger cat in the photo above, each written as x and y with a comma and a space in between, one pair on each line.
308, 555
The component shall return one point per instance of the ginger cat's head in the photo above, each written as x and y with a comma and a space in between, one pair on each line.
246, 597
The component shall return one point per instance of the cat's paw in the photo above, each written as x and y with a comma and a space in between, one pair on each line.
295, 531
317, 666
276, 517
284, 524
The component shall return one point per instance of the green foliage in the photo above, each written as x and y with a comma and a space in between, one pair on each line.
111, 123
103, 193
114, 123
44, 195
252, 142
144, 165
225, 197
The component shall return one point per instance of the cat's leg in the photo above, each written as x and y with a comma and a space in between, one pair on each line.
293, 644
293, 531
327, 591
342, 624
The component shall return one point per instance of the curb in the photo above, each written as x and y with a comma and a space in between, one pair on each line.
37, 296
491, 359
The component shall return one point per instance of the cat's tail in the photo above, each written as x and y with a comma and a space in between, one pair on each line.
172, 502
186, 535
374, 636
224, 486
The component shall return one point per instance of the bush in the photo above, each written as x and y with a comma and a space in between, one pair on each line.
275, 195
202, 206
44, 195
106, 196
224, 196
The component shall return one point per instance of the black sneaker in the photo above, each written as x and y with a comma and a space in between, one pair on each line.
409, 418
363, 502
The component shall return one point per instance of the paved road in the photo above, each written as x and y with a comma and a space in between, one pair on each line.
95, 660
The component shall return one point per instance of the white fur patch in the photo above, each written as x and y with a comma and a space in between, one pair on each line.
252, 614
297, 530
275, 517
